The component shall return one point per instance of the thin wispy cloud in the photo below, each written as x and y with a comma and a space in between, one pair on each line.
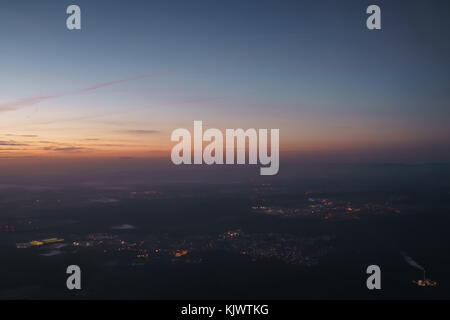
139, 132
198, 101
110, 83
65, 149
12, 143
30, 101
25, 102
21, 135
69, 119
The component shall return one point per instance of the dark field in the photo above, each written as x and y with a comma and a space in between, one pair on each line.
206, 241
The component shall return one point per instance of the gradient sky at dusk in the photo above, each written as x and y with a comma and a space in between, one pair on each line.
140, 69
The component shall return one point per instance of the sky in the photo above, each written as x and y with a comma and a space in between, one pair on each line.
137, 70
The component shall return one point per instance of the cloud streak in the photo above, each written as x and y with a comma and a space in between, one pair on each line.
12, 143
65, 149
21, 135
29, 101
139, 132
25, 102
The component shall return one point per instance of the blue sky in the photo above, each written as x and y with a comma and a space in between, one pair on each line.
310, 68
